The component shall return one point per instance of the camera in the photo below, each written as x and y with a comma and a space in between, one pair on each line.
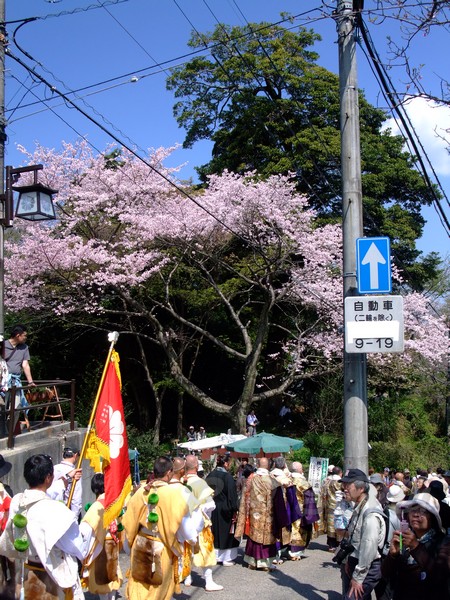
345, 548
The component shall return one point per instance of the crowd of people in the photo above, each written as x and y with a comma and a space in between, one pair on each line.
176, 521
388, 531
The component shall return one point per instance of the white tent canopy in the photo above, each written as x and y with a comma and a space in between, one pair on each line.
212, 442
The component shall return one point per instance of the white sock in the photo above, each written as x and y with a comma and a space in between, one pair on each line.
207, 573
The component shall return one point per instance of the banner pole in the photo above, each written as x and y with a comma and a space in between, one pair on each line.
112, 338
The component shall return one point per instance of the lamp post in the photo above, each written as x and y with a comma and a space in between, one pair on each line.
35, 203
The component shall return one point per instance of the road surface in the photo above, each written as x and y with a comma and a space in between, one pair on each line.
315, 577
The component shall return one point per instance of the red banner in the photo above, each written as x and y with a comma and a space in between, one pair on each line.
109, 441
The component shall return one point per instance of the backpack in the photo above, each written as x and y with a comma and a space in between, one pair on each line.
388, 528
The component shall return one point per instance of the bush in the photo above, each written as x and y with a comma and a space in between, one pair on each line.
143, 442
427, 453
326, 445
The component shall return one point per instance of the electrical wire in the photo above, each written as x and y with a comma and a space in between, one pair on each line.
160, 64
122, 143
404, 135
405, 121
38, 102
320, 172
405, 269
122, 26
400, 262
190, 246
67, 12
256, 76
151, 167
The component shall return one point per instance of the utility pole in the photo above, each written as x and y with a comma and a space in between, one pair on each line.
356, 443
2, 162
3, 429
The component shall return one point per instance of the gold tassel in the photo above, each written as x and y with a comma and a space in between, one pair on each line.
176, 576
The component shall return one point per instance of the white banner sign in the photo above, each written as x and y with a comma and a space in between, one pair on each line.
318, 470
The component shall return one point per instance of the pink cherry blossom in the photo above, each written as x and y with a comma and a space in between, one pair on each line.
121, 228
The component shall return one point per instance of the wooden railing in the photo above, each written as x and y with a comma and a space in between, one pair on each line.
50, 395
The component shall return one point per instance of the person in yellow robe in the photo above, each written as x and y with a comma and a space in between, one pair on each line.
256, 518
205, 556
157, 522
101, 570
330, 486
302, 529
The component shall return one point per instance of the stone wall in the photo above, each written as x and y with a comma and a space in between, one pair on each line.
47, 440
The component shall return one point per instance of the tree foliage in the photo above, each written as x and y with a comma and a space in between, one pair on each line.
234, 294
268, 106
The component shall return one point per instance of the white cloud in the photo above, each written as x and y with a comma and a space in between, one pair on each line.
429, 121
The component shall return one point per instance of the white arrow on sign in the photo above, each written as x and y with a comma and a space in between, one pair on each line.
373, 258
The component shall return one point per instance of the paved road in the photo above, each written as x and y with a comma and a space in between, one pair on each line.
313, 578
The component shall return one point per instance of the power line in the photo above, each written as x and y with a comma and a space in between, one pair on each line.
64, 13
271, 99
122, 143
39, 101
137, 72
244, 36
181, 190
404, 119
67, 100
405, 268
130, 140
122, 26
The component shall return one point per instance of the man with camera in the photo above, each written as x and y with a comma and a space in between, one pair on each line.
358, 554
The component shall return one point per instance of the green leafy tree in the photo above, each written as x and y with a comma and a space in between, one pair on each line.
235, 305
270, 108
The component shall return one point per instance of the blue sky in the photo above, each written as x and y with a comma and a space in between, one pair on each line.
78, 49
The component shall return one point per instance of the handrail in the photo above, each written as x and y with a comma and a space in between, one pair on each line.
9, 414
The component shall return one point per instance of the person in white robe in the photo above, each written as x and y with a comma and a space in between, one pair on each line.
67, 472
44, 535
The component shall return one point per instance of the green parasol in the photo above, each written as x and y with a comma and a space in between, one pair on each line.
265, 442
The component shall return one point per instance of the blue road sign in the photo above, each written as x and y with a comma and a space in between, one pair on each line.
373, 260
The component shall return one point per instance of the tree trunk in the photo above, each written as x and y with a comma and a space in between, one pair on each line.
158, 397
180, 404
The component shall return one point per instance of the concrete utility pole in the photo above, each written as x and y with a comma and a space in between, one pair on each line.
355, 380
2, 162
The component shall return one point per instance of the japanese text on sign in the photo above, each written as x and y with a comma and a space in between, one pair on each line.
374, 324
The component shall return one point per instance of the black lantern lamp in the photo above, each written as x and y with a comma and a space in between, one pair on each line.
35, 201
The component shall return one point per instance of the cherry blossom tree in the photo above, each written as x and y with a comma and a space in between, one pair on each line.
416, 22
239, 271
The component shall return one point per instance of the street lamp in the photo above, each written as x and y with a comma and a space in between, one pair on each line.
35, 201
35, 204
